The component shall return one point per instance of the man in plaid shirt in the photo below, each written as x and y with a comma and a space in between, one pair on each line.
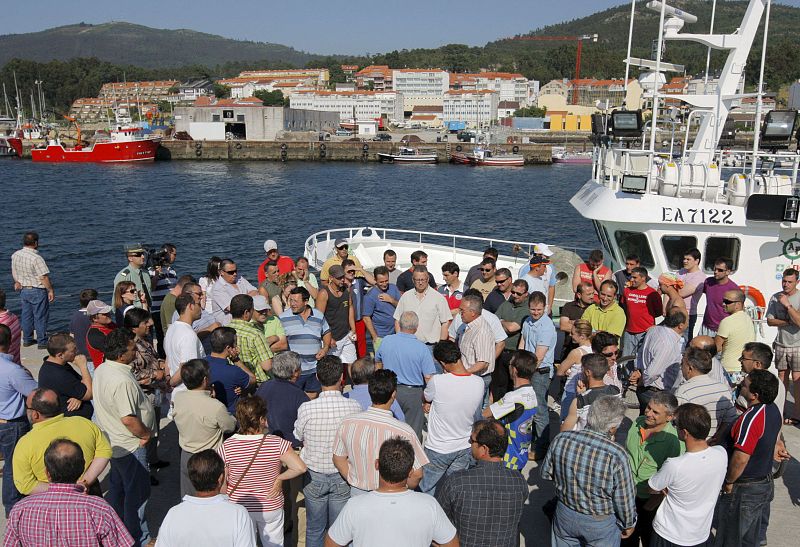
326, 492
32, 279
593, 480
64, 514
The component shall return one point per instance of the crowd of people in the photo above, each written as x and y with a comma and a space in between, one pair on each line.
407, 413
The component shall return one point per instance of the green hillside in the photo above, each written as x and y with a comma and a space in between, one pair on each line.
127, 44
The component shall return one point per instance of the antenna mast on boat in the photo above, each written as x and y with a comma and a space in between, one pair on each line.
7, 106
708, 54
630, 41
654, 111
760, 94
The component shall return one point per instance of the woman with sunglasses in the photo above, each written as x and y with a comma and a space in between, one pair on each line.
125, 297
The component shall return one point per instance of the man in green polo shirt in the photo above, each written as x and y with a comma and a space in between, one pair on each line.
511, 313
606, 315
651, 440
269, 324
253, 346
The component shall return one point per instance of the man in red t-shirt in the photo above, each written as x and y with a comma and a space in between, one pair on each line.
642, 305
285, 264
592, 271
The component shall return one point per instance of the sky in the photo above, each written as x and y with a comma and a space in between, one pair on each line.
319, 26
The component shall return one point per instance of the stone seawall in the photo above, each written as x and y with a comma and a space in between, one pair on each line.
323, 151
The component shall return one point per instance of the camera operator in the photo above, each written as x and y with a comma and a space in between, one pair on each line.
164, 280
136, 255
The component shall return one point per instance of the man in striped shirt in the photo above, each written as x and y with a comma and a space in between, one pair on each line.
360, 436
32, 279
326, 492
702, 389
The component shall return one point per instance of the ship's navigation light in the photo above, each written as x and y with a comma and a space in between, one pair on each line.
791, 210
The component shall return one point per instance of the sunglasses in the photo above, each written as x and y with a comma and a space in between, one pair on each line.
343, 247
131, 291
728, 302
609, 353
139, 255
339, 278
230, 272
350, 271
515, 293
499, 281
487, 269
262, 312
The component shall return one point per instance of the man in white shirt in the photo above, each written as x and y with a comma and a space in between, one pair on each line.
689, 484
452, 401
208, 518
229, 284
430, 306
398, 517
181, 342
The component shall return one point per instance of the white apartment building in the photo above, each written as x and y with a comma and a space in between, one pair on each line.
509, 86
420, 86
365, 104
478, 108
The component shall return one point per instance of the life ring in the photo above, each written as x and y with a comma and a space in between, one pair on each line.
284, 147
322, 147
238, 146
365, 147
515, 149
198, 152
458, 148
322, 154
198, 145
509, 140
756, 299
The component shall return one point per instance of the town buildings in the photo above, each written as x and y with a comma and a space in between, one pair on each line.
361, 105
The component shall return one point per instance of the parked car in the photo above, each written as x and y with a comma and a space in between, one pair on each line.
466, 136
341, 132
382, 137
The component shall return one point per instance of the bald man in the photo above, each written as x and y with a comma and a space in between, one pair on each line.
734, 331
705, 343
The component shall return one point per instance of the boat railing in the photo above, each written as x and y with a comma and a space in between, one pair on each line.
324, 240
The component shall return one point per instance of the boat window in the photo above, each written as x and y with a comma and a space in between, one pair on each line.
240, 117
227, 114
215, 117
717, 247
605, 240
635, 243
675, 247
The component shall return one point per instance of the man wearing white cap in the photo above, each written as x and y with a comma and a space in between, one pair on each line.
285, 263
268, 324
543, 250
341, 252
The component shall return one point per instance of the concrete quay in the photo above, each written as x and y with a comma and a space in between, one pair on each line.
784, 525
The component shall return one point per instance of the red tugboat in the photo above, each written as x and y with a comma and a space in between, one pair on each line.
10, 146
125, 143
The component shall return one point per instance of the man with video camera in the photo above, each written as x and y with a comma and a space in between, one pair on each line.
164, 279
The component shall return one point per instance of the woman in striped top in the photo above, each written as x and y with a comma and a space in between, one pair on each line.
253, 464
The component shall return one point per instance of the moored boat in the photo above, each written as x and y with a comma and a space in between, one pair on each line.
485, 157
562, 156
407, 154
10, 146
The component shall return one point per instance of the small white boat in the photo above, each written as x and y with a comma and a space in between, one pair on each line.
409, 155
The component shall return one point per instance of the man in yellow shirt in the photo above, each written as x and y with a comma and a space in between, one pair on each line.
340, 253
49, 424
607, 315
734, 331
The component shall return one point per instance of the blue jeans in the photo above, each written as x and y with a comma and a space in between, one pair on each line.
573, 529
632, 342
540, 383
326, 496
128, 491
441, 465
10, 434
740, 513
35, 314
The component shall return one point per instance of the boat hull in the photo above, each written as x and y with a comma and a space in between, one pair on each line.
499, 162
574, 160
461, 158
101, 152
397, 158
11, 146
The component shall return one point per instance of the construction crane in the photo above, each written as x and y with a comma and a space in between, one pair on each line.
579, 39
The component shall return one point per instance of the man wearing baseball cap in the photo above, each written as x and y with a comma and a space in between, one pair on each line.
341, 252
537, 277
543, 250
285, 263
134, 273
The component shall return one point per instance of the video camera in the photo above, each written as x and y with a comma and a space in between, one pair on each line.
157, 258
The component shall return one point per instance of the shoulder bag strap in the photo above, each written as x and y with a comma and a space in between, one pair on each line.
249, 465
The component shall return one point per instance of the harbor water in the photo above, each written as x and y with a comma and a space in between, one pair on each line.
86, 213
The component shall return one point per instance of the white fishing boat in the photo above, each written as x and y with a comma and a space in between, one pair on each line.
655, 205
407, 154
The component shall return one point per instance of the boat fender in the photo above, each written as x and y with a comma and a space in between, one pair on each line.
238, 146
322, 147
458, 148
515, 149
365, 147
198, 145
284, 147
198, 152
322, 154
756, 298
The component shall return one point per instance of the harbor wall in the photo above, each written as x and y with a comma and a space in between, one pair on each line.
324, 151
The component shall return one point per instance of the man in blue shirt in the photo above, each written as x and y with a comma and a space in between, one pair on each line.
308, 335
283, 396
360, 373
412, 361
379, 305
16, 383
539, 337
228, 380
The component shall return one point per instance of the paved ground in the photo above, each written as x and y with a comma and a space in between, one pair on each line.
783, 531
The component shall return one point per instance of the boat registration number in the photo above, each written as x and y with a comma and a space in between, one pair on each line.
696, 216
